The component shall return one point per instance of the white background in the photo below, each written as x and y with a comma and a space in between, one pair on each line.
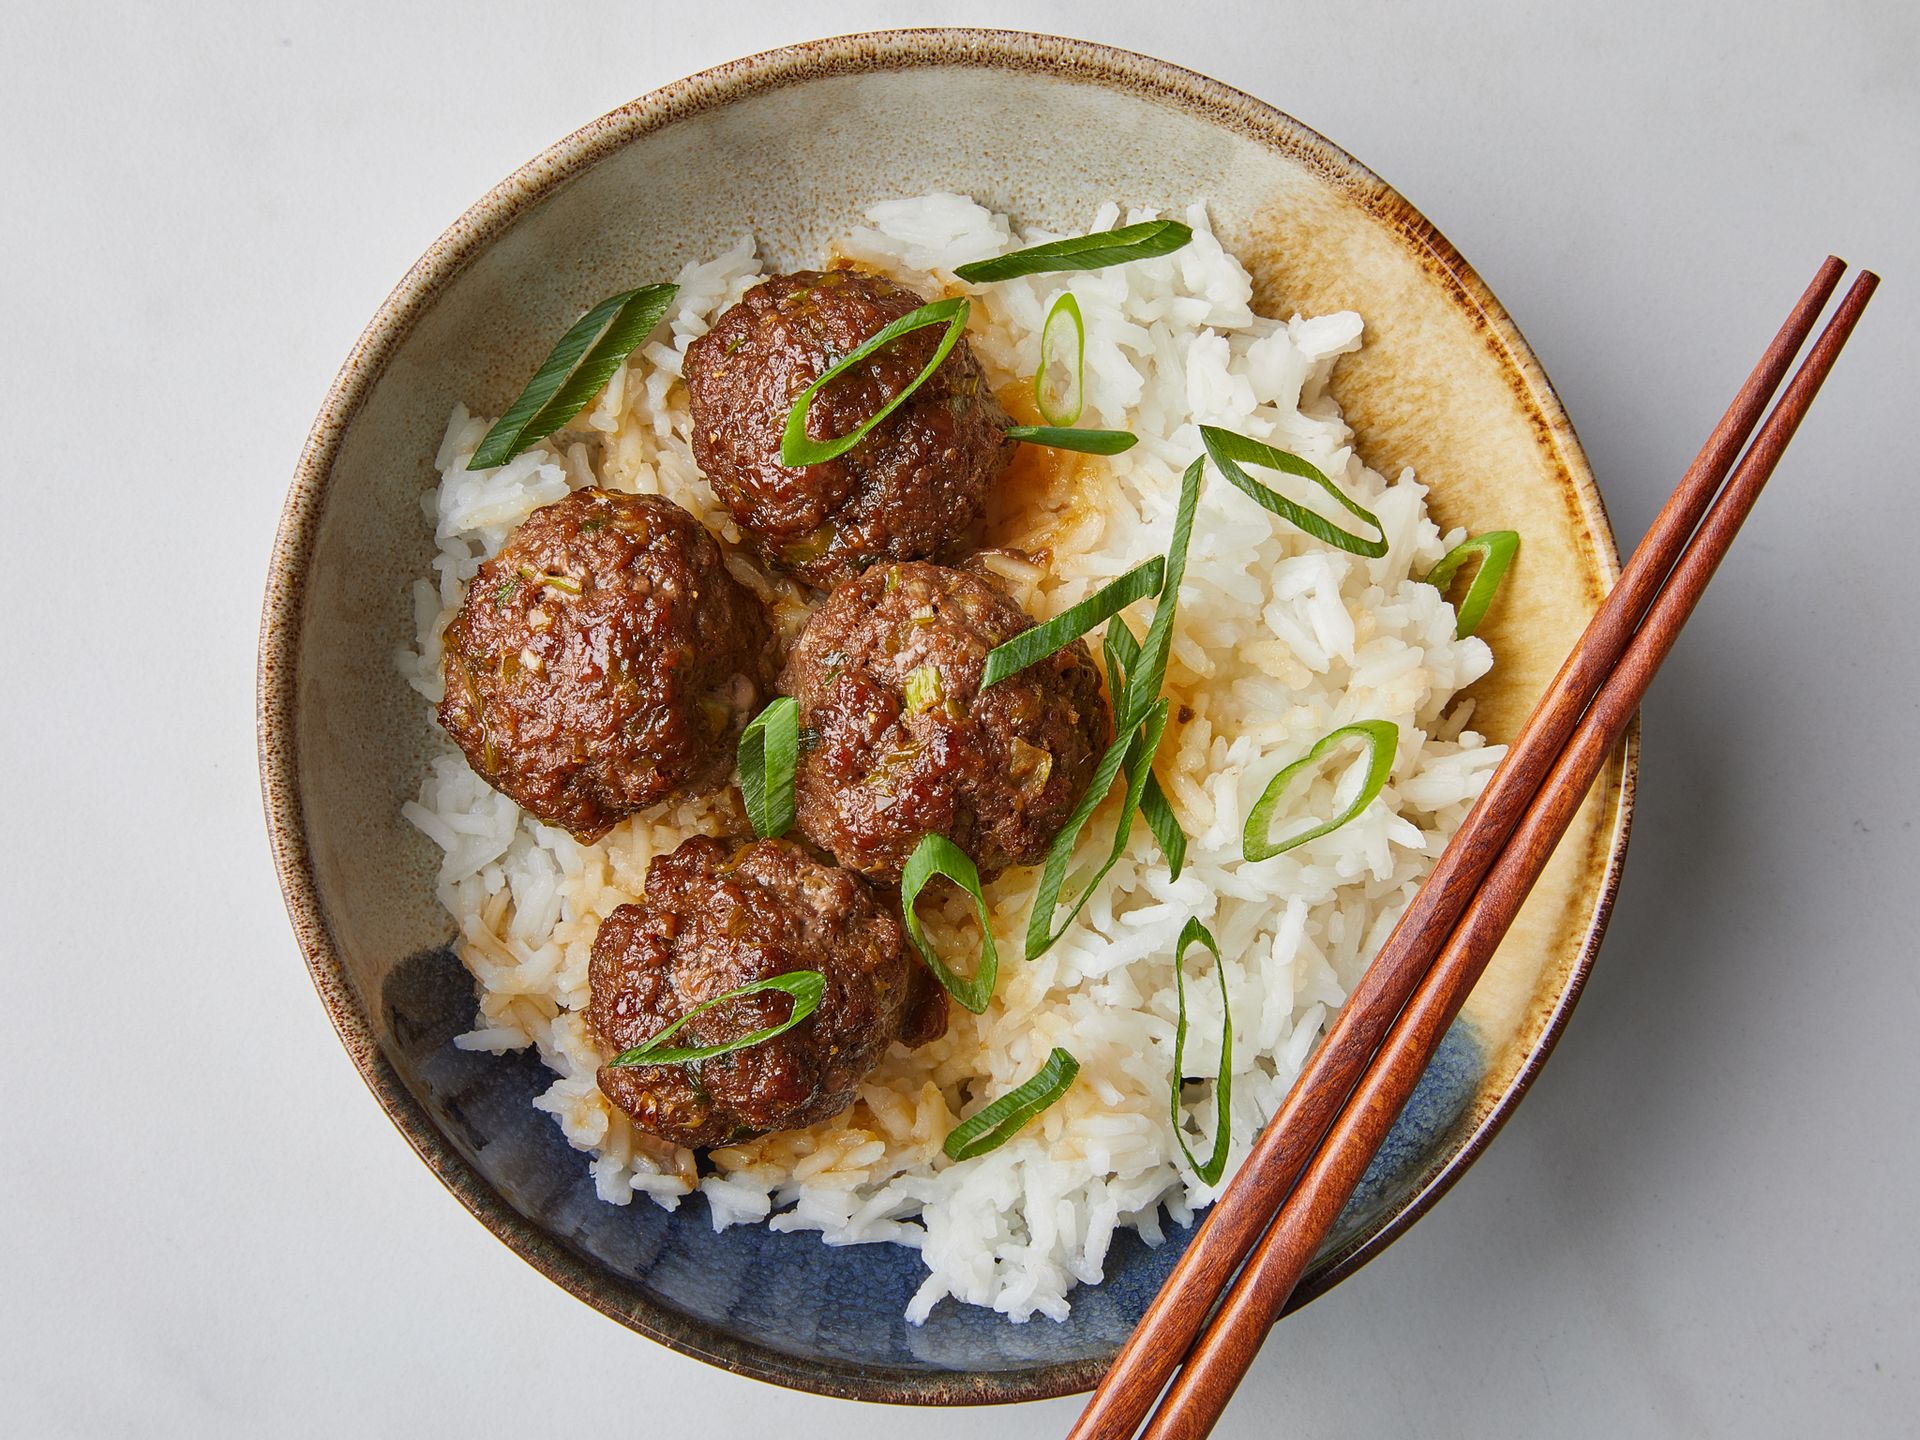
1699, 1223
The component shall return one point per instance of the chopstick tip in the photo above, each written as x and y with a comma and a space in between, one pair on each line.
1865, 282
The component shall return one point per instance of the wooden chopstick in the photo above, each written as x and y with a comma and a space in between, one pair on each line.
1216, 1364
1242, 1213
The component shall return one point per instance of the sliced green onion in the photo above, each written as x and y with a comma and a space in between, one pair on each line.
797, 449
1381, 736
1143, 684
1083, 252
768, 748
1155, 809
1121, 651
1066, 310
1495, 551
1141, 721
1228, 450
805, 986
1087, 442
1130, 755
1005, 1117
922, 689
1216, 1163
1012, 656
564, 383
937, 855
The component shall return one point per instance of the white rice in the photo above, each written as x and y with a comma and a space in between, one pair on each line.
1279, 640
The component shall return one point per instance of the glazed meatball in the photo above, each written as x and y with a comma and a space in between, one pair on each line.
916, 486
717, 917
604, 660
898, 740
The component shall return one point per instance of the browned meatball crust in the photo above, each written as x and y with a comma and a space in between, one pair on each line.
604, 660
717, 917
899, 741
915, 487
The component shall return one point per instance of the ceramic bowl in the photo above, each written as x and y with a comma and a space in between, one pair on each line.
788, 145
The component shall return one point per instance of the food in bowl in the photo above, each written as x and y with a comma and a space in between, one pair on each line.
1288, 723
904, 741
716, 918
917, 486
603, 661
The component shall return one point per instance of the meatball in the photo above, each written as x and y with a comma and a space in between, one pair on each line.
717, 917
604, 660
898, 740
916, 486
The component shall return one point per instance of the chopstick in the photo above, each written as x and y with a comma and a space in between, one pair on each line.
1168, 1330
1216, 1364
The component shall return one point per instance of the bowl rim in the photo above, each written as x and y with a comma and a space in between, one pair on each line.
283, 617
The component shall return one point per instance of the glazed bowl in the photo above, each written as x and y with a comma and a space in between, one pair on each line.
781, 144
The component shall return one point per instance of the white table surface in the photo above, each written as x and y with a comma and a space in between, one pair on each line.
1699, 1223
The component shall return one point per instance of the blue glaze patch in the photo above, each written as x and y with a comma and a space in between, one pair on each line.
791, 1294
1438, 1101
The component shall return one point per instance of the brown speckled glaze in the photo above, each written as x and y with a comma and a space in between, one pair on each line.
1445, 384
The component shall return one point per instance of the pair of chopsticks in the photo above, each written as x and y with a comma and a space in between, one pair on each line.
1225, 1293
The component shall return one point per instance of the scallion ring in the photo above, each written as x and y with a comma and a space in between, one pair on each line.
1216, 1163
1029, 646
1382, 737
768, 750
1066, 411
1082, 252
1086, 442
805, 986
564, 383
937, 855
1005, 1117
1495, 551
1229, 451
797, 449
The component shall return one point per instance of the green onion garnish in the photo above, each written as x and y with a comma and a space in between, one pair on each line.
1381, 736
937, 855
1228, 450
1121, 651
1137, 744
768, 749
1083, 252
1161, 821
805, 986
1216, 1163
1142, 720
1495, 551
1012, 656
1087, 442
797, 450
1154, 808
564, 383
922, 689
1005, 1117
1143, 684
1046, 386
